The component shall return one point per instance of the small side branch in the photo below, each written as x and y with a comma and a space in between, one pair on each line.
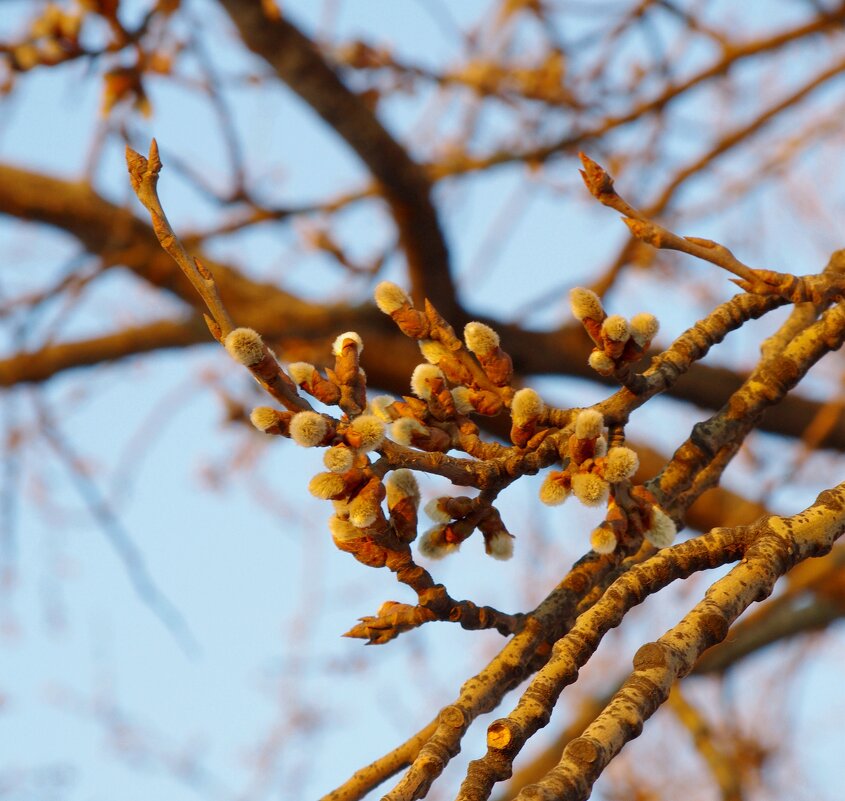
395, 618
797, 289
143, 173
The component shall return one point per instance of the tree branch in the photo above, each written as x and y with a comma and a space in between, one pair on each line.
406, 188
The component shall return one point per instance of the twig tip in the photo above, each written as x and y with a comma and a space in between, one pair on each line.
154, 158
596, 178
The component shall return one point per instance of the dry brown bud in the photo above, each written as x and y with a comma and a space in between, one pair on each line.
596, 178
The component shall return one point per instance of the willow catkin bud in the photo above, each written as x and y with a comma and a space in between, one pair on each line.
434, 352
390, 297
616, 328
404, 428
621, 463
308, 429
366, 432
401, 484
590, 489
499, 545
434, 545
338, 459
434, 509
264, 417
420, 378
301, 372
337, 345
661, 533
585, 304
480, 338
327, 485
341, 507
343, 530
589, 424
245, 346
378, 406
555, 488
460, 395
526, 406
644, 327
603, 540
363, 510
601, 362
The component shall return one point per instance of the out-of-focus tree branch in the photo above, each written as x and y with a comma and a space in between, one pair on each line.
406, 188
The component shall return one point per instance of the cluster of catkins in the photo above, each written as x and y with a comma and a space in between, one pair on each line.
357, 492
447, 388
596, 476
617, 341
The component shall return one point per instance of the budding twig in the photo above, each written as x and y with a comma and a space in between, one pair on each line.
764, 282
143, 174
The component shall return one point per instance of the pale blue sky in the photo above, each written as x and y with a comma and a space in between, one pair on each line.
99, 701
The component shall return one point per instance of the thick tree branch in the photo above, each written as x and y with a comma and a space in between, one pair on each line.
777, 544
42, 364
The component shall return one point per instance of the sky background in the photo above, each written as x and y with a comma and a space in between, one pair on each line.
258, 697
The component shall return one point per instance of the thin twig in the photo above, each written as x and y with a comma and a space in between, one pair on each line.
143, 173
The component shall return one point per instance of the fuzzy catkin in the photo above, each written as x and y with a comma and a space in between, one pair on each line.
436, 512
245, 346
526, 405
327, 485
369, 431
616, 328
552, 491
661, 533
621, 463
404, 428
343, 530
433, 544
603, 540
585, 304
300, 372
263, 417
378, 406
460, 395
589, 424
337, 345
644, 327
601, 362
308, 429
590, 489
500, 545
390, 297
480, 338
338, 459
434, 352
423, 373
401, 484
